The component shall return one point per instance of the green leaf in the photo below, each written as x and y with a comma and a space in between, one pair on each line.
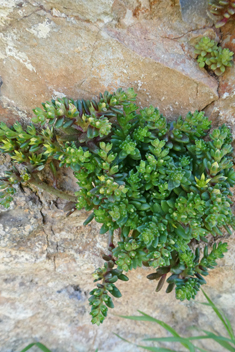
182, 340
222, 342
59, 122
224, 321
161, 283
91, 132
123, 277
173, 184
109, 303
171, 203
42, 347
170, 287
230, 328
146, 317
35, 120
115, 292
165, 206
89, 219
156, 349
184, 139
144, 206
124, 339
112, 279
180, 231
125, 231
39, 345
215, 337
156, 208
104, 229
28, 347
68, 124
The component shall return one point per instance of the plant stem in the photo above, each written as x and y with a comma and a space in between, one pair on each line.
38, 183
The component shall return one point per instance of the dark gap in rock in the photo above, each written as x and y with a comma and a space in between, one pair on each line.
74, 292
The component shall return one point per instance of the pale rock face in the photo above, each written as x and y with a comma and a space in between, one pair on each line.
85, 47
80, 48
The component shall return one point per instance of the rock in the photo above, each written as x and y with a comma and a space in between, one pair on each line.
46, 261
223, 111
49, 49
194, 11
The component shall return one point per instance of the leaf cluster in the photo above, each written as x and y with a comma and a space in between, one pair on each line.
214, 57
100, 299
225, 9
187, 271
163, 186
7, 189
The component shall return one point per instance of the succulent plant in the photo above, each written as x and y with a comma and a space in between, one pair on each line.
212, 56
160, 187
188, 270
225, 9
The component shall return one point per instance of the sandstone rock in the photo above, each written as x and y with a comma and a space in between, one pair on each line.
50, 49
46, 265
194, 10
223, 111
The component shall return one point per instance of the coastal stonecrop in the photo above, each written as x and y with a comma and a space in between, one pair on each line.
160, 189
224, 9
211, 56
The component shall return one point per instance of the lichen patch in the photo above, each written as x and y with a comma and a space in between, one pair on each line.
41, 30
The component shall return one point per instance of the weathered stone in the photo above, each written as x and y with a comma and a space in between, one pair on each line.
46, 265
49, 49
194, 10
93, 48
223, 111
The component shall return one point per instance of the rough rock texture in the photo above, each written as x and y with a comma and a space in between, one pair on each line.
193, 11
223, 111
79, 48
45, 278
49, 49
